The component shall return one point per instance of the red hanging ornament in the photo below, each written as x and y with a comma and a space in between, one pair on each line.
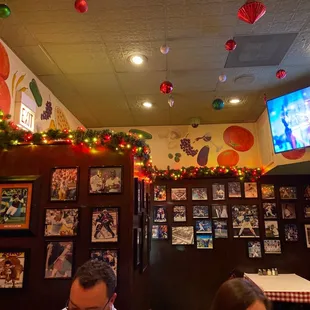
81, 6
230, 45
166, 87
252, 11
281, 74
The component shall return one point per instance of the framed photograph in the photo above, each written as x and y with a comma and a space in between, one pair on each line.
270, 210
104, 224
178, 194
203, 226
160, 192
58, 260
307, 192
220, 229
109, 256
307, 211
218, 191
200, 212
272, 247
137, 196
219, 212
288, 192
105, 180
137, 235
291, 232
250, 190
204, 241
15, 206
160, 232
288, 211
307, 231
199, 193
271, 229
61, 222
268, 191
179, 214
254, 249
12, 268
245, 221
145, 247
183, 235
64, 184
234, 190
160, 214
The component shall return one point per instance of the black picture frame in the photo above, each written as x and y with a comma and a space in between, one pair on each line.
35, 182
117, 251
26, 252
137, 239
146, 236
46, 267
102, 168
248, 249
137, 196
64, 235
75, 198
116, 231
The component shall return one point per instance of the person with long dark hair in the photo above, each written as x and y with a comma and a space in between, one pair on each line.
240, 294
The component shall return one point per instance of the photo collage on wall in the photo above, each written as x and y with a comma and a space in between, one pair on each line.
210, 210
61, 222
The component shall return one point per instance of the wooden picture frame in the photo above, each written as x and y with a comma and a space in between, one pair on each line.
64, 188
137, 239
99, 176
18, 198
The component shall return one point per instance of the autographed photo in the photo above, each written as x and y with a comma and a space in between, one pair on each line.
250, 190
160, 193
108, 256
254, 249
200, 212
268, 191
218, 191
64, 184
220, 229
160, 232
61, 222
199, 193
12, 266
178, 194
179, 214
270, 210
104, 225
160, 214
15, 205
272, 246
245, 221
234, 189
183, 235
203, 226
105, 180
219, 212
288, 192
288, 211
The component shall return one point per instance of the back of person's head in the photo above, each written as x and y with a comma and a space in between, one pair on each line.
240, 294
94, 272
236, 273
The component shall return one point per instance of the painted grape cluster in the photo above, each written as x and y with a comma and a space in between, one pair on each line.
185, 145
47, 113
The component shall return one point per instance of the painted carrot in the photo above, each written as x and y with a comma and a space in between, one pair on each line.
23, 89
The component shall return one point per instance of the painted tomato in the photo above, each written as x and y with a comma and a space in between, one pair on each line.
5, 97
4, 63
294, 155
228, 158
239, 138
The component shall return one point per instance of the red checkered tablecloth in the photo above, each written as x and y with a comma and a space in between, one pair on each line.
284, 288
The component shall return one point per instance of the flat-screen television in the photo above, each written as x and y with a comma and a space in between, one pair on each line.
289, 118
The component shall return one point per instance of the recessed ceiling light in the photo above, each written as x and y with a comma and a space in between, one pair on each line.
137, 59
234, 101
147, 104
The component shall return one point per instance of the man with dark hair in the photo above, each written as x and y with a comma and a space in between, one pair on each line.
93, 287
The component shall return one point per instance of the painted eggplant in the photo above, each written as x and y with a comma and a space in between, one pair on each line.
203, 156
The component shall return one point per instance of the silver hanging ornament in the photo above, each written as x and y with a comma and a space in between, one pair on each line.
222, 78
164, 49
171, 101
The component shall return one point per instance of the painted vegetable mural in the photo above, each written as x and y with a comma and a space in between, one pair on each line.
239, 138
294, 155
36, 92
228, 158
5, 97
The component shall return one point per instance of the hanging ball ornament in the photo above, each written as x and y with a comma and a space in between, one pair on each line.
164, 49
222, 78
4, 11
281, 74
166, 87
81, 6
171, 101
251, 11
218, 104
230, 45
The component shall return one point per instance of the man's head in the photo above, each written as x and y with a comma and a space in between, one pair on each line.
93, 287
